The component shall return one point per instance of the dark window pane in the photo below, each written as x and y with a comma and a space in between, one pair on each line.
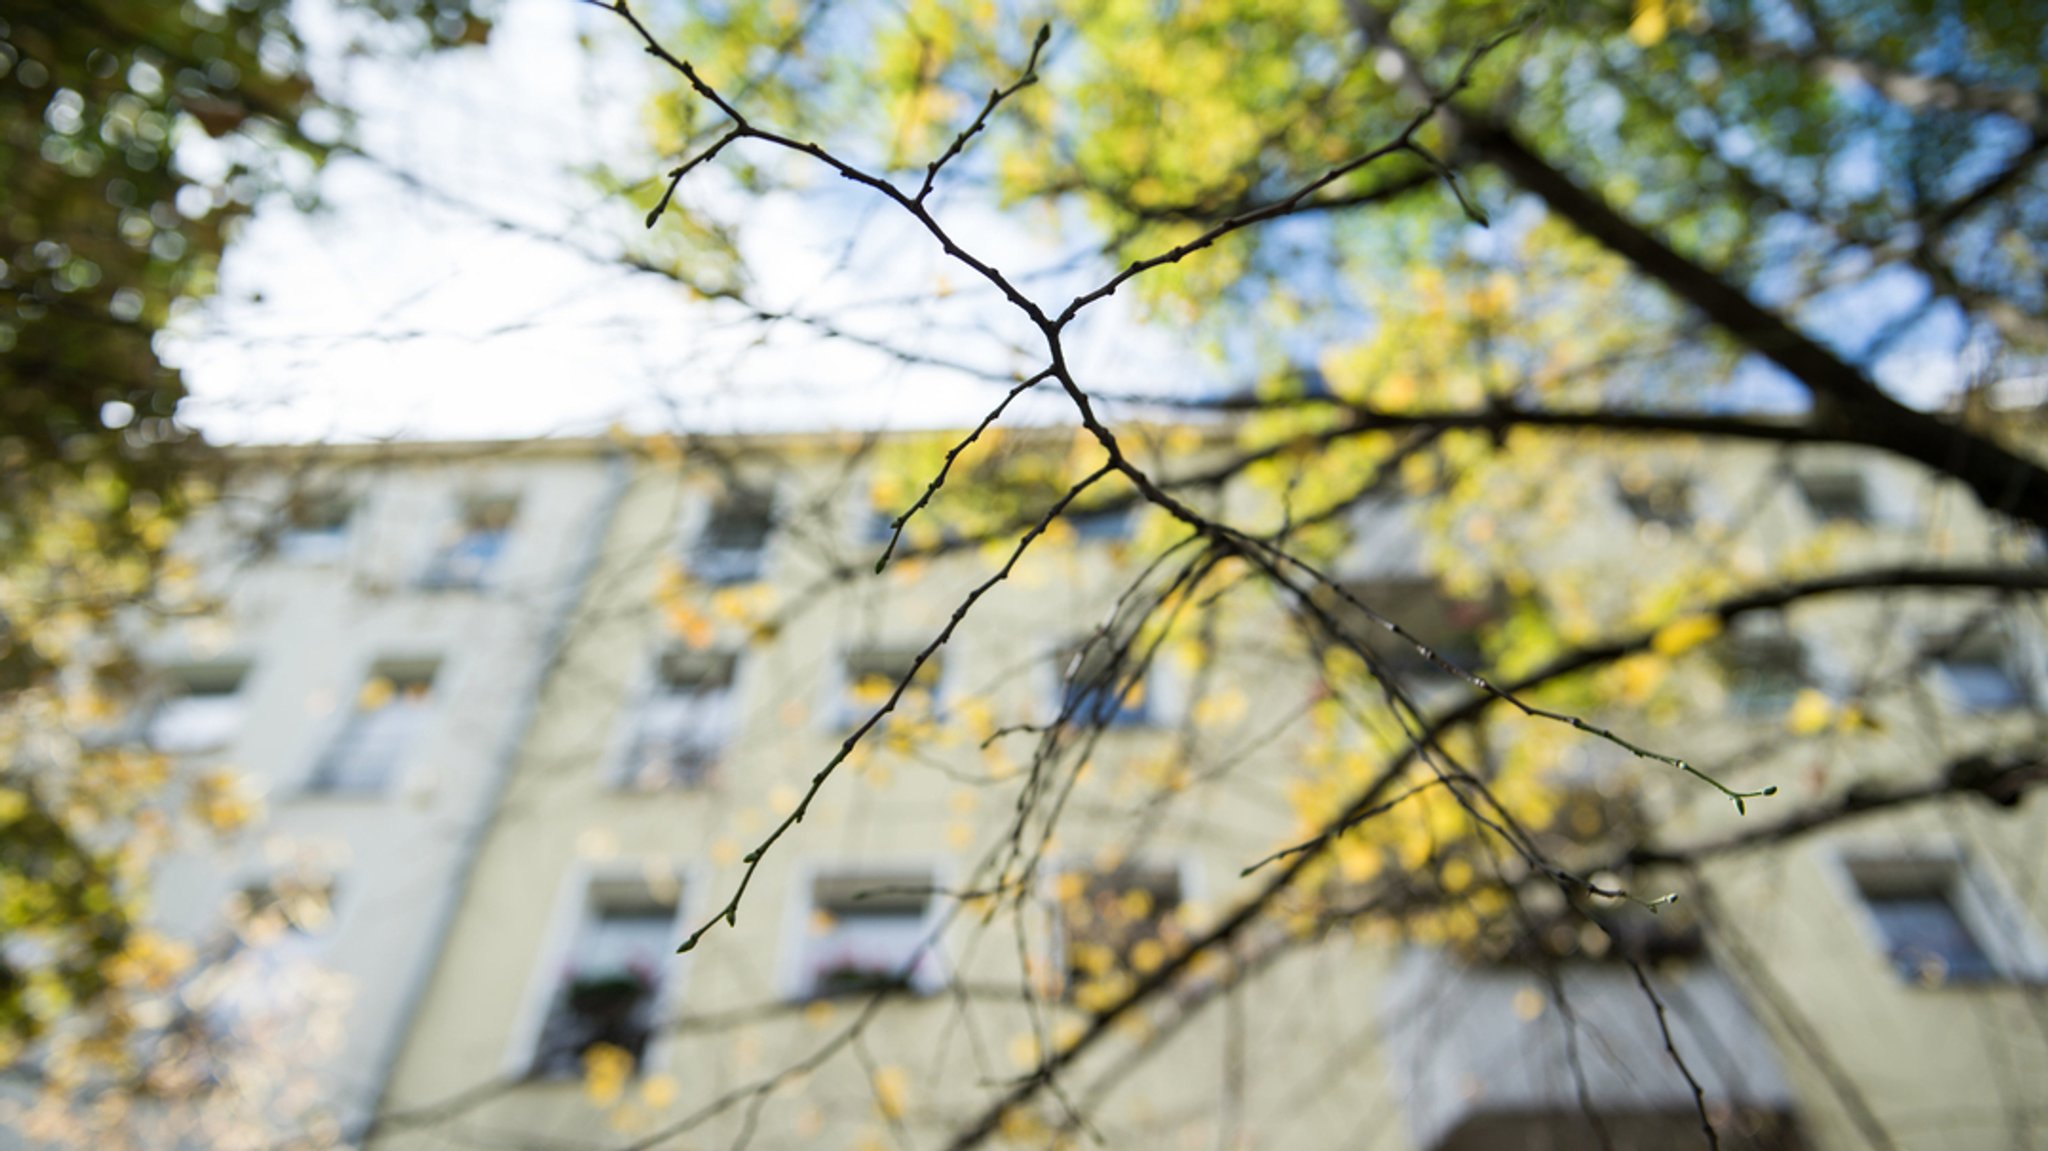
607, 994
1835, 497
1927, 940
735, 537
1098, 691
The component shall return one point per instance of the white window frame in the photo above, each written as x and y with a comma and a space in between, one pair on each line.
1767, 628
861, 518
565, 920
792, 966
617, 764
1423, 681
837, 713
440, 690
694, 520
1828, 470
183, 673
318, 548
1989, 910
1166, 685
1690, 481
1187, 869
2015, 662
431, 576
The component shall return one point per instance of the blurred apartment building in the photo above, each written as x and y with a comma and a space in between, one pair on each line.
524, 711
387, 618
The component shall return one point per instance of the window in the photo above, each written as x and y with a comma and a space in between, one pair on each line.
877, 525
201, 710
1836, 496
733, 545
1656, 501
610, 984
389, 713
870, 675
870, 933
1098, 526
1448, 625
1386, 539
466, 558
315, 528
1098, 687
282, 909
1118, 923
274, 965
1977, 672
1764, 668
685, 722
1917, 907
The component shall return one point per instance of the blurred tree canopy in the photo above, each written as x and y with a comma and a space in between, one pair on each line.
1445, 253
133, 137
1829, 188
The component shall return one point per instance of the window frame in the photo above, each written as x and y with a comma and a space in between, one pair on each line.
315, 547
1804, 479
313, 784
436, 574
1640, 506
184, 673
1165, 699
841, 714
618, 765
1757, 632
2008, 657
793, 975
1185, 866
1425, 682
708, 565
573, 900
1996, 920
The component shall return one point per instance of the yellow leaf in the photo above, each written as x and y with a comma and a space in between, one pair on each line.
1021, 1126
1069, 887
1219, 708
1638, 676
1651, 22
1810, 712
1684, 634
376, 692
658, 1091
1456, 876
605, 1070
892, 1091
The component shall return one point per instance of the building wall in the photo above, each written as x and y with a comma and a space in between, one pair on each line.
1301, 1057
310, 631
